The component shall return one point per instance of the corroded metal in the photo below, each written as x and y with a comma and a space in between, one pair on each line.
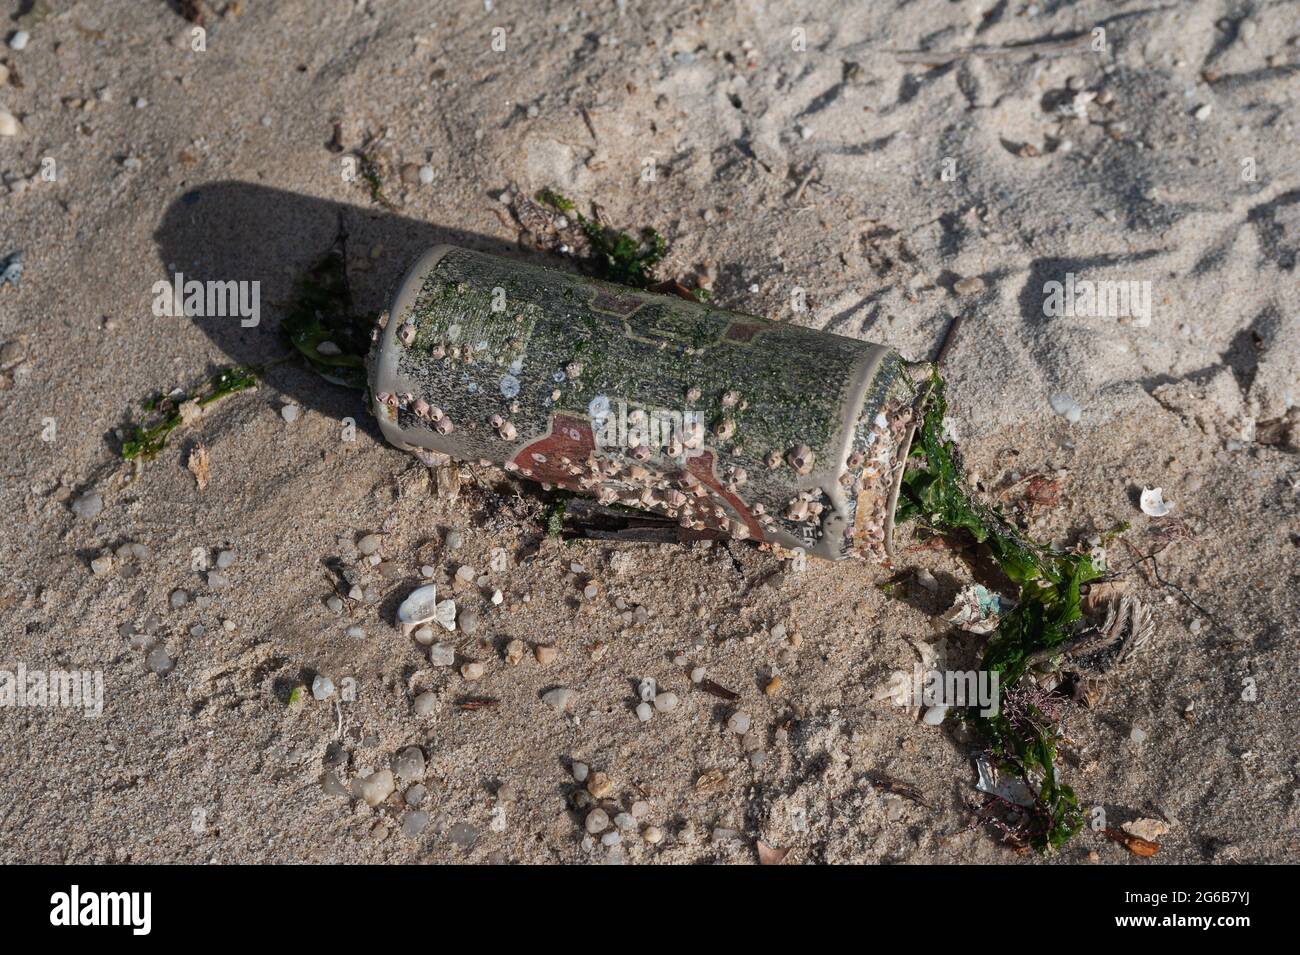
723, 421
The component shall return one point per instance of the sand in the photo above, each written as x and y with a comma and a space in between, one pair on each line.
788, 153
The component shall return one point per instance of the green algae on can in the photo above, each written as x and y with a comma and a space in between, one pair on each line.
725, 422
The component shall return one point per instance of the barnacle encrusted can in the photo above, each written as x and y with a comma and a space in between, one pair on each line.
726, 422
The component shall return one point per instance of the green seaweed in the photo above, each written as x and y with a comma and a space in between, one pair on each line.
320, 311
1049, 604
148, 439
615, 256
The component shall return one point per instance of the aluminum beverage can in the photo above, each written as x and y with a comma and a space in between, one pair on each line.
728, 423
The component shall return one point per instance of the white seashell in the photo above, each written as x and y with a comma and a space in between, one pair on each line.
1153, 502
420, 606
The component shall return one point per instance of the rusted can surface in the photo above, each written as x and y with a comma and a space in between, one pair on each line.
723, 421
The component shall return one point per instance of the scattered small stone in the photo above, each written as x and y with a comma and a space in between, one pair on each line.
1138, 735
1203, 112
88, 506
425, 703
666, 702
159, 661
455, 540
739, 723
416, 794
8, 123
224, 559
472, 671
497, 598
1066, 407
217, 581
369, 544
545, 654
322, 687
644, 711
646, 689
335, 604
653, 835
758, 759
101, 565
355, 632
290, 413
414, 823
610, 839
18, 42
426, 175
698, 674
468, 621
971, 285
580, 771
179, 598
423, 635
409, 764
600, 785
597, 821
559, 698
515, 651
773, 686
442, 655
934, 715
375, 788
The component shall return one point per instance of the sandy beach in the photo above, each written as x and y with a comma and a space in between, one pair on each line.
874, 171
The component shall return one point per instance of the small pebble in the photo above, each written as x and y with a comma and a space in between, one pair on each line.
8, 123
322, 687
426, 175
647, 689
442, 655
368, 544
600, 785
414, 823
971, 285
472, 670
580, 771
290, 413
698, 675
416, 794
597, 821
610, 839
225, 558
644, 711
158, 661
423, 635
355, 632
1138, 735
18, 42
454, 540
653, 835
560, 698
546, 655
179, 598
217, 581
666, 702
515, 651
1203, 112
934, 715
101, 565
425, 703
88, 506
409, 764
375, 788
468, 621
625, 820
335, 604
739, 723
